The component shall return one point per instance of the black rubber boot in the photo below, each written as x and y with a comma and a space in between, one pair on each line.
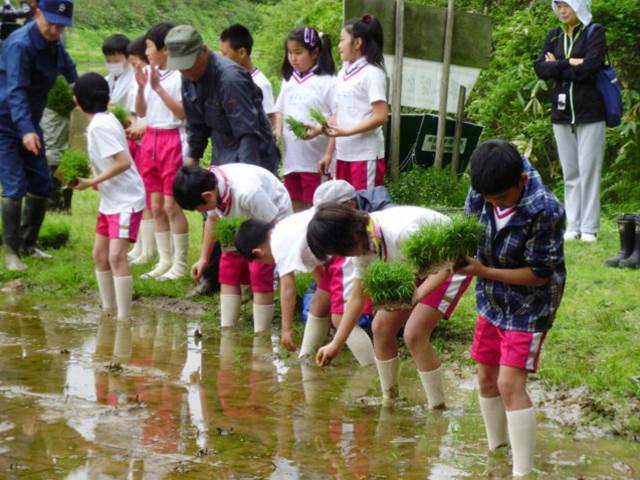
633, 260
67, 195
626, 228
32, 217
11, 211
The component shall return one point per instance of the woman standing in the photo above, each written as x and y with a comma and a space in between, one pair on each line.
572, 56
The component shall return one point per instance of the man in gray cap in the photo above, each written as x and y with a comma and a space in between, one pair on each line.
222, 102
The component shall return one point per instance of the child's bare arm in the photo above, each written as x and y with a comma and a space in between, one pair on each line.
121, 163
523, 276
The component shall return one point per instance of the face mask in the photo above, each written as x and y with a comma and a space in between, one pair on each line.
116, 69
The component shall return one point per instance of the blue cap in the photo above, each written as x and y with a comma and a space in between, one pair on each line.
58, 12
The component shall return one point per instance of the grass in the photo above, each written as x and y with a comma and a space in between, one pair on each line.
390, 285
74, 164
54, 233
226, 229
60, 98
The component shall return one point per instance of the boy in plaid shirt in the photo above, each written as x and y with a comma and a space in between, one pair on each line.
521, 276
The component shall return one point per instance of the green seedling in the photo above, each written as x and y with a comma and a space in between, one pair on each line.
121, 114
54, 234
226, 229
390, 285
74, 164
60, 98
319, 117
297, 127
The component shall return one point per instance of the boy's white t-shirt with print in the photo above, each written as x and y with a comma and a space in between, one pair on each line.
298, 96
123, 193
256, 193
158, 114
289, 246
396, 225
263, 83
359, 85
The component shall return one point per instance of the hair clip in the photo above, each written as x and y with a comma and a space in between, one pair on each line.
366, 19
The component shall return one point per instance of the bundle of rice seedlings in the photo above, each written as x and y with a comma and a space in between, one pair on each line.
390, 285
297, 127
74, 164
121, 114
442, 246
226, 229
53, 234
60, 98
319, 117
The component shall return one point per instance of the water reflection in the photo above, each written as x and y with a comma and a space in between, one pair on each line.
83, 396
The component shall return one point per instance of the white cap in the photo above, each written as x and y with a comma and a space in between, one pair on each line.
334, 191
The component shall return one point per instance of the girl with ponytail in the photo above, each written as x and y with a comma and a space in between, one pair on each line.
309, 79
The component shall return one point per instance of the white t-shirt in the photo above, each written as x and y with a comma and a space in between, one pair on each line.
261, 80
298, 96
394, 225
123, 89
289, 245
250, 191
158, 114
125, 192
359, 85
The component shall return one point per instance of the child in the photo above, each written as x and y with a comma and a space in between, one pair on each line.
235, 190
236, 43
339, 230
284, 245
145, 248
521, 276
361, 105
121, 194
121, 76
309, 80
159, 101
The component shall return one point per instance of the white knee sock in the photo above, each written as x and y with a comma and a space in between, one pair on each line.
388, 372
495, 421
262, 317
107, 290
147, 243
432, 385
315, 332
179, 266
229, 309
522, 433
163, 242
124, 296
361, 346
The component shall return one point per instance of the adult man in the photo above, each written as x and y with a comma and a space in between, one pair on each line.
30, 60
220, 101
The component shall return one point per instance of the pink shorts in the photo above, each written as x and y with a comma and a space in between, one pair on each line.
512, 348
361, 174
337, 279
160, 158
445, 298
134, 149
236, 270
119, 225
302, 185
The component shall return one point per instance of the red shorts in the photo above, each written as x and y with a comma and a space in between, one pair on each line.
512, 348
445, 298
337, 279
160, 158
302, 185
119, 225
361, 174
236, 270
134, 149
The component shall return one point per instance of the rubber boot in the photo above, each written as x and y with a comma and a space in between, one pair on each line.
11, 210
33, 214
315, 333
626, 228
107, 291
67, 196
179, 267
147, 242
633, 260
433, 389
388, 371
136, 251
163, 241
124, 296
262, 317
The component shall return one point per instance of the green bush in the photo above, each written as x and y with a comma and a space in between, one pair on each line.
74, 164
297, 127
390, 285
226, 229
60, 98
429, 188
443, 245
121, 114
54, 234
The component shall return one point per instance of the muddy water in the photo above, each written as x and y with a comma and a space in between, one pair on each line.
87, 397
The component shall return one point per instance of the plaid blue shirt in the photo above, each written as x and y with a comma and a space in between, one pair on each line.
533, 238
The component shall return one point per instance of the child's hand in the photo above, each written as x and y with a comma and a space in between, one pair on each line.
82, 184
574, 62
326, 354
141, 77
333, 130
312, 132
324, 165
473, 268
198, 269
549, 57
154, 78
287, 340
135, 132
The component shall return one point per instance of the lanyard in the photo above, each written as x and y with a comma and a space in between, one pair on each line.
226, 200
567, 51
377, 243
